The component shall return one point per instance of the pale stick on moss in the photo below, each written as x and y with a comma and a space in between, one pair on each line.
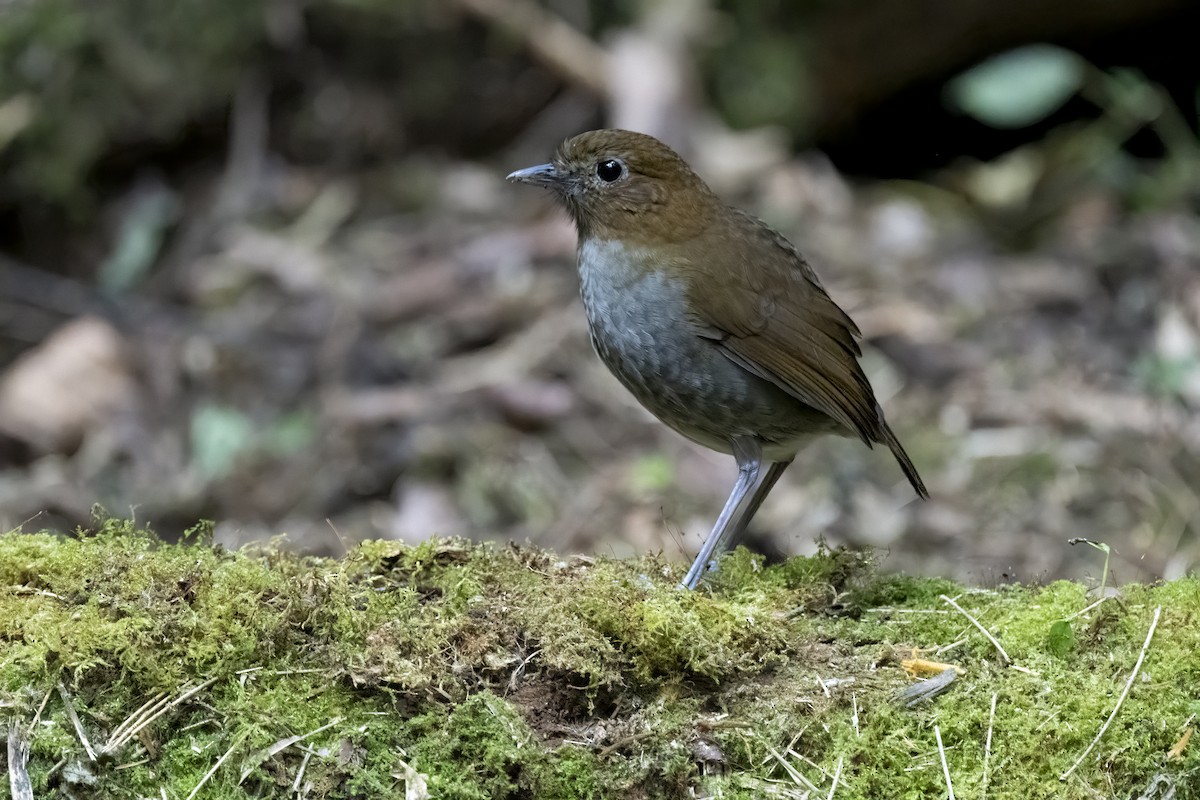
283, 744
837, 774
792, 772
983, 630
937, 732
149, 712
240, 738
987, 747
300, 772
1120, 700
1086, 609
71, 715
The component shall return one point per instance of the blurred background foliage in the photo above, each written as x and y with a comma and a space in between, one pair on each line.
87, 85
257, 263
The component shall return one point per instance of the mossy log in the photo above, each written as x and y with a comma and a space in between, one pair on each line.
134, 668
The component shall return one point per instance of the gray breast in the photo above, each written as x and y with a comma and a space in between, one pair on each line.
640, 328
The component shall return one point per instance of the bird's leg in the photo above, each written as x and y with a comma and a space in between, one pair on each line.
734, 532
748, 454
760, 493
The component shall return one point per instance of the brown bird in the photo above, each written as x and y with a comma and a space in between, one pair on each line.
712, 319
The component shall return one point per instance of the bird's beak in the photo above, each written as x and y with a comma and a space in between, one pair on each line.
541, 175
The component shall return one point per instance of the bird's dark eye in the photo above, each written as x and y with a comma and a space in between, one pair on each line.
610, 170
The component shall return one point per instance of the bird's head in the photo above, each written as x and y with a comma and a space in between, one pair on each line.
624, 185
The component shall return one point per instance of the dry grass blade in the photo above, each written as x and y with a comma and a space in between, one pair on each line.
300, 772
224, 756
1120, 700
284, 744
792, 772
149, 713
937, 732
987, 748
71, 715
1087, 608
118, 731
983, 630
837, 776
617, 745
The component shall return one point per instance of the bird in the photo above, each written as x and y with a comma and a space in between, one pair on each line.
712, 319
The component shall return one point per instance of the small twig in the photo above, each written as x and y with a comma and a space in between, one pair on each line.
1176, 752
71, 715
1086, 609
948, 647
40, 709
982, 629
792, 772
300, 772
240, 738
894, 610
987, 748
150, 712
1120, 700
283, 744
120, 729
837, 774
945, 767
854, 714
251, 670
612, 748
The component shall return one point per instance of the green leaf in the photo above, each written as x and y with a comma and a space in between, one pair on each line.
1017, 88
1061, 639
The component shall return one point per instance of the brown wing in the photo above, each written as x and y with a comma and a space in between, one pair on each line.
771, 316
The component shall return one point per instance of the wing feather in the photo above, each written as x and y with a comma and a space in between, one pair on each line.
772, 317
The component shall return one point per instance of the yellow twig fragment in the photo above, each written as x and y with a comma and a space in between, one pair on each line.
916, 667
1176, 752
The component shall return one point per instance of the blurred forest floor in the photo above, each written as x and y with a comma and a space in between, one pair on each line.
290, 309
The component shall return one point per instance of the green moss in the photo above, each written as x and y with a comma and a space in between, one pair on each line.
491, 672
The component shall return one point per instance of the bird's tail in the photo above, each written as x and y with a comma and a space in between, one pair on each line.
910, 472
